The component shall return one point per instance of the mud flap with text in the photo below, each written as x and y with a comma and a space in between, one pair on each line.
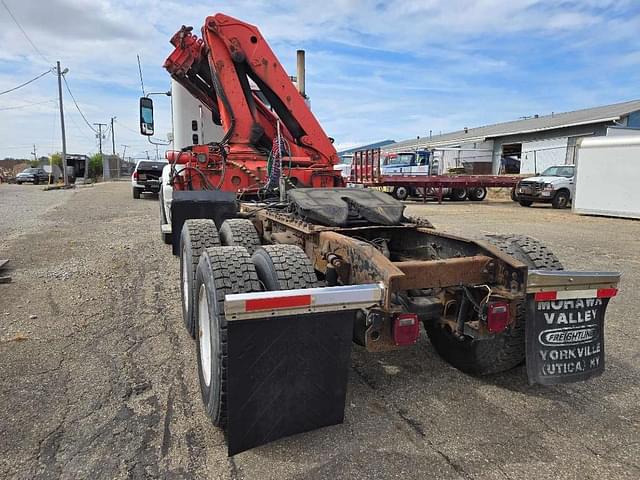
564, 339
286, 375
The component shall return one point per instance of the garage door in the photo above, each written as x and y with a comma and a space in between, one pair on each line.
538, 155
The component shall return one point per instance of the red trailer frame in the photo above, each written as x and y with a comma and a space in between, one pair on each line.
366, 171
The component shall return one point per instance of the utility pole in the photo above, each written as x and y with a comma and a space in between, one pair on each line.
104, 169
64, 137
113, 138
124, 151
113, 148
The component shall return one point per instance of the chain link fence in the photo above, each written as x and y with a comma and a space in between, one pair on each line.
538, 160
481, 162
115, 168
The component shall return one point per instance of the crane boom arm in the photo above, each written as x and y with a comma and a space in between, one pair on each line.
217, 70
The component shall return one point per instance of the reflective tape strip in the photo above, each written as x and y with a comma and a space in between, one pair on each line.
571, 294
252, 305
292, 302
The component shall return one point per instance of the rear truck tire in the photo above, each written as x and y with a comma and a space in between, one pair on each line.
166, 237
36, 181
400, 193
284, 267
239, 232
561, 199
458, 194
136, 193
507, 349
525, 203
197, 235
221, 271
477, 194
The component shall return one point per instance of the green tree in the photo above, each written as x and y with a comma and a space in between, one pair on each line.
95, 166
56, 159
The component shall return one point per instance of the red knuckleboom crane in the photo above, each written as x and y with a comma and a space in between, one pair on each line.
264, 126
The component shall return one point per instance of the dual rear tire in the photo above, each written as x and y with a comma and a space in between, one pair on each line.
197, 235
227, 263
504, 350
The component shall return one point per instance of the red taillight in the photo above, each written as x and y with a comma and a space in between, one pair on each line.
406, 329
498, 318
607, 292
135, 175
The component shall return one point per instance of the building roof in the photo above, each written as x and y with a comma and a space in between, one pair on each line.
586, 116
383, 143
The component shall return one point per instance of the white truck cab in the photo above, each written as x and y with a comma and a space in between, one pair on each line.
555, 185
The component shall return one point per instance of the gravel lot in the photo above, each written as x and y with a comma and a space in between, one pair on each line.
98, 376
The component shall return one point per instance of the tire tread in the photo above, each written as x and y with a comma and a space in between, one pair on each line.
233, 272
201, 233
292, 266
240, 232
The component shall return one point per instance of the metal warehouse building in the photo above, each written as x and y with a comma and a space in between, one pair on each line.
528, 145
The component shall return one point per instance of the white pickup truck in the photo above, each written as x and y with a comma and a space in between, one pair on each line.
555, 185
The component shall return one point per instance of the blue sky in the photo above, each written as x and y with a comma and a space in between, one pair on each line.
375, 70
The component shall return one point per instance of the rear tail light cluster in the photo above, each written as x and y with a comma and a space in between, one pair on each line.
406, 329
498, 317
135, 175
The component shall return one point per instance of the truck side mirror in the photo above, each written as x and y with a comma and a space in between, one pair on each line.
146, 116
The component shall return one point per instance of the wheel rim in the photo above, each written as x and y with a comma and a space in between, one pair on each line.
204, 333
401, 192
185, 282
562, 201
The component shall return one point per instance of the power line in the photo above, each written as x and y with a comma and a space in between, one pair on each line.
140, 70
77, 107
26, 105
127, 128
24, 32
81, 131
25, 83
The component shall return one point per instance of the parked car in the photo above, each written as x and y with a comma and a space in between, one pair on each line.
32, 175
146, 177
166, 197
555, 185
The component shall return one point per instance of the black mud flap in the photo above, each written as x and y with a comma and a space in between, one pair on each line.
565, 339
214, 204
286, 375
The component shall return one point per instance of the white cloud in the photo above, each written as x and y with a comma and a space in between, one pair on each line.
376, 70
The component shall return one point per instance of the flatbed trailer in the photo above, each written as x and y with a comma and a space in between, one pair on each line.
366, 172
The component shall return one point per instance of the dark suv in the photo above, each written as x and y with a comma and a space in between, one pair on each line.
33, 175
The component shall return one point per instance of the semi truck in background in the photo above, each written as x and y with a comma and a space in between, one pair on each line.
429, 163
426, 173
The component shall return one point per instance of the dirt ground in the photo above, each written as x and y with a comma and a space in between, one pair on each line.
98, 376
